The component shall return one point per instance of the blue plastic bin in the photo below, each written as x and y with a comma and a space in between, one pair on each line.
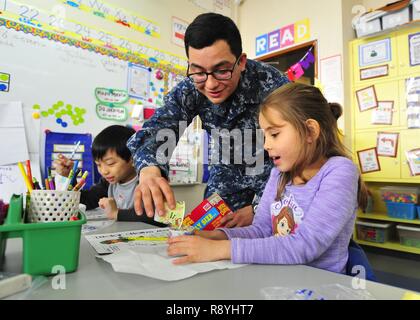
418, 212
401, 210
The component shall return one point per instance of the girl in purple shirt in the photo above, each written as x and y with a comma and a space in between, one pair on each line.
307, 211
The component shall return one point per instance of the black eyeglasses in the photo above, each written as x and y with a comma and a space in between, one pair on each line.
222, 74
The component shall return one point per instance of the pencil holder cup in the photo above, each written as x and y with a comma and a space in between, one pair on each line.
52, 205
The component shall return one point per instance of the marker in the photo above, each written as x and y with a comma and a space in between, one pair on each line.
82, 182
25, 177
47, 184
75, 173
74, 150
50, 179
69, 179
36, 184
29, 171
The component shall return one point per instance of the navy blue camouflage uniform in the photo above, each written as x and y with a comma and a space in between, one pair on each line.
239, 111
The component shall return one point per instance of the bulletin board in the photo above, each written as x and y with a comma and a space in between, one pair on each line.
72, 86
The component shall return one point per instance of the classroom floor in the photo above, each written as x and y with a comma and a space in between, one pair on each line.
395, 268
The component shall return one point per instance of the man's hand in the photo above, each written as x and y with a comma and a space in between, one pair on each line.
110, 207
198, 249
62, 165
240, 218
153, 189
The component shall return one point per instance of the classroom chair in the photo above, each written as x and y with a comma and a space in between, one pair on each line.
358, 257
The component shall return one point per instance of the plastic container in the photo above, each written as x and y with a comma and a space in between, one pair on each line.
409, 236
418, 212
401, 210
373, 232
53, 205
400, 194
45, 245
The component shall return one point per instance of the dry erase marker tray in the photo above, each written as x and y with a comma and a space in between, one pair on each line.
46, 246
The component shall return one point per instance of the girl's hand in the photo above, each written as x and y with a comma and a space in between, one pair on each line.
240, 218
197, 249
213, 234
110, 207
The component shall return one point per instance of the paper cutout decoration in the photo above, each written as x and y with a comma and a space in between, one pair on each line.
297, 70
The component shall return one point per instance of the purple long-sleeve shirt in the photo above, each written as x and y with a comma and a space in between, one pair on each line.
328, 204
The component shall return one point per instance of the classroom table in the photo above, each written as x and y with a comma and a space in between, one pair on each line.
95, 279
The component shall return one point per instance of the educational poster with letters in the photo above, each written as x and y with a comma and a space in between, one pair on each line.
383, 114
368, 160
366, 98
387, 144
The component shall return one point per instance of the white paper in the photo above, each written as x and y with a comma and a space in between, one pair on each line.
13, 144
11, 182
154, 262
138, 82
331, 70
11, 115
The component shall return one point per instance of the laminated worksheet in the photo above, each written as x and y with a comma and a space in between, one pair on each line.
113, 242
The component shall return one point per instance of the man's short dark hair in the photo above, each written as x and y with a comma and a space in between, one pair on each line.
112, 138
207, 28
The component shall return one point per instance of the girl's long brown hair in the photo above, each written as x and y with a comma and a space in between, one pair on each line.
297, 103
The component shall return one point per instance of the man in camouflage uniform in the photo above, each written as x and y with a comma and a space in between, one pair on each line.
225, 90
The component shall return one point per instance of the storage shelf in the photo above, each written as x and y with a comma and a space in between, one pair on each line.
384, 217
390, 245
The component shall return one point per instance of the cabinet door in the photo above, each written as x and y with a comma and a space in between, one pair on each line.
390, 167
410, 139
375, 56
385, 91
409, 51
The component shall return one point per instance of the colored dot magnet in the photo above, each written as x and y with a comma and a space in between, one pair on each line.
4, 87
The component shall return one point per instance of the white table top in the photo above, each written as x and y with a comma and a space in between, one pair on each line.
95, 279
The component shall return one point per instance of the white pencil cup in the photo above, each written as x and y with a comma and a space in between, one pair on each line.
52, 205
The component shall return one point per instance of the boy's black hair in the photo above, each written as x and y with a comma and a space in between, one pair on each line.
112, 138
207, 28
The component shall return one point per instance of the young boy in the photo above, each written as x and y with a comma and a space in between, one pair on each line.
115, 190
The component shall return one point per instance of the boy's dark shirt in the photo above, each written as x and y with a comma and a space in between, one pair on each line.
91, 197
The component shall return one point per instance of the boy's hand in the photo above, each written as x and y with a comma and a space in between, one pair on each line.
240, 218
62, 165
110, 207
197, 249
152, 189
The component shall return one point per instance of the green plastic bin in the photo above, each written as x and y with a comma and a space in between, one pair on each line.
45, 245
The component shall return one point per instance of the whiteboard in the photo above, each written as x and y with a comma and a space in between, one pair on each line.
56, 84
44, 73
